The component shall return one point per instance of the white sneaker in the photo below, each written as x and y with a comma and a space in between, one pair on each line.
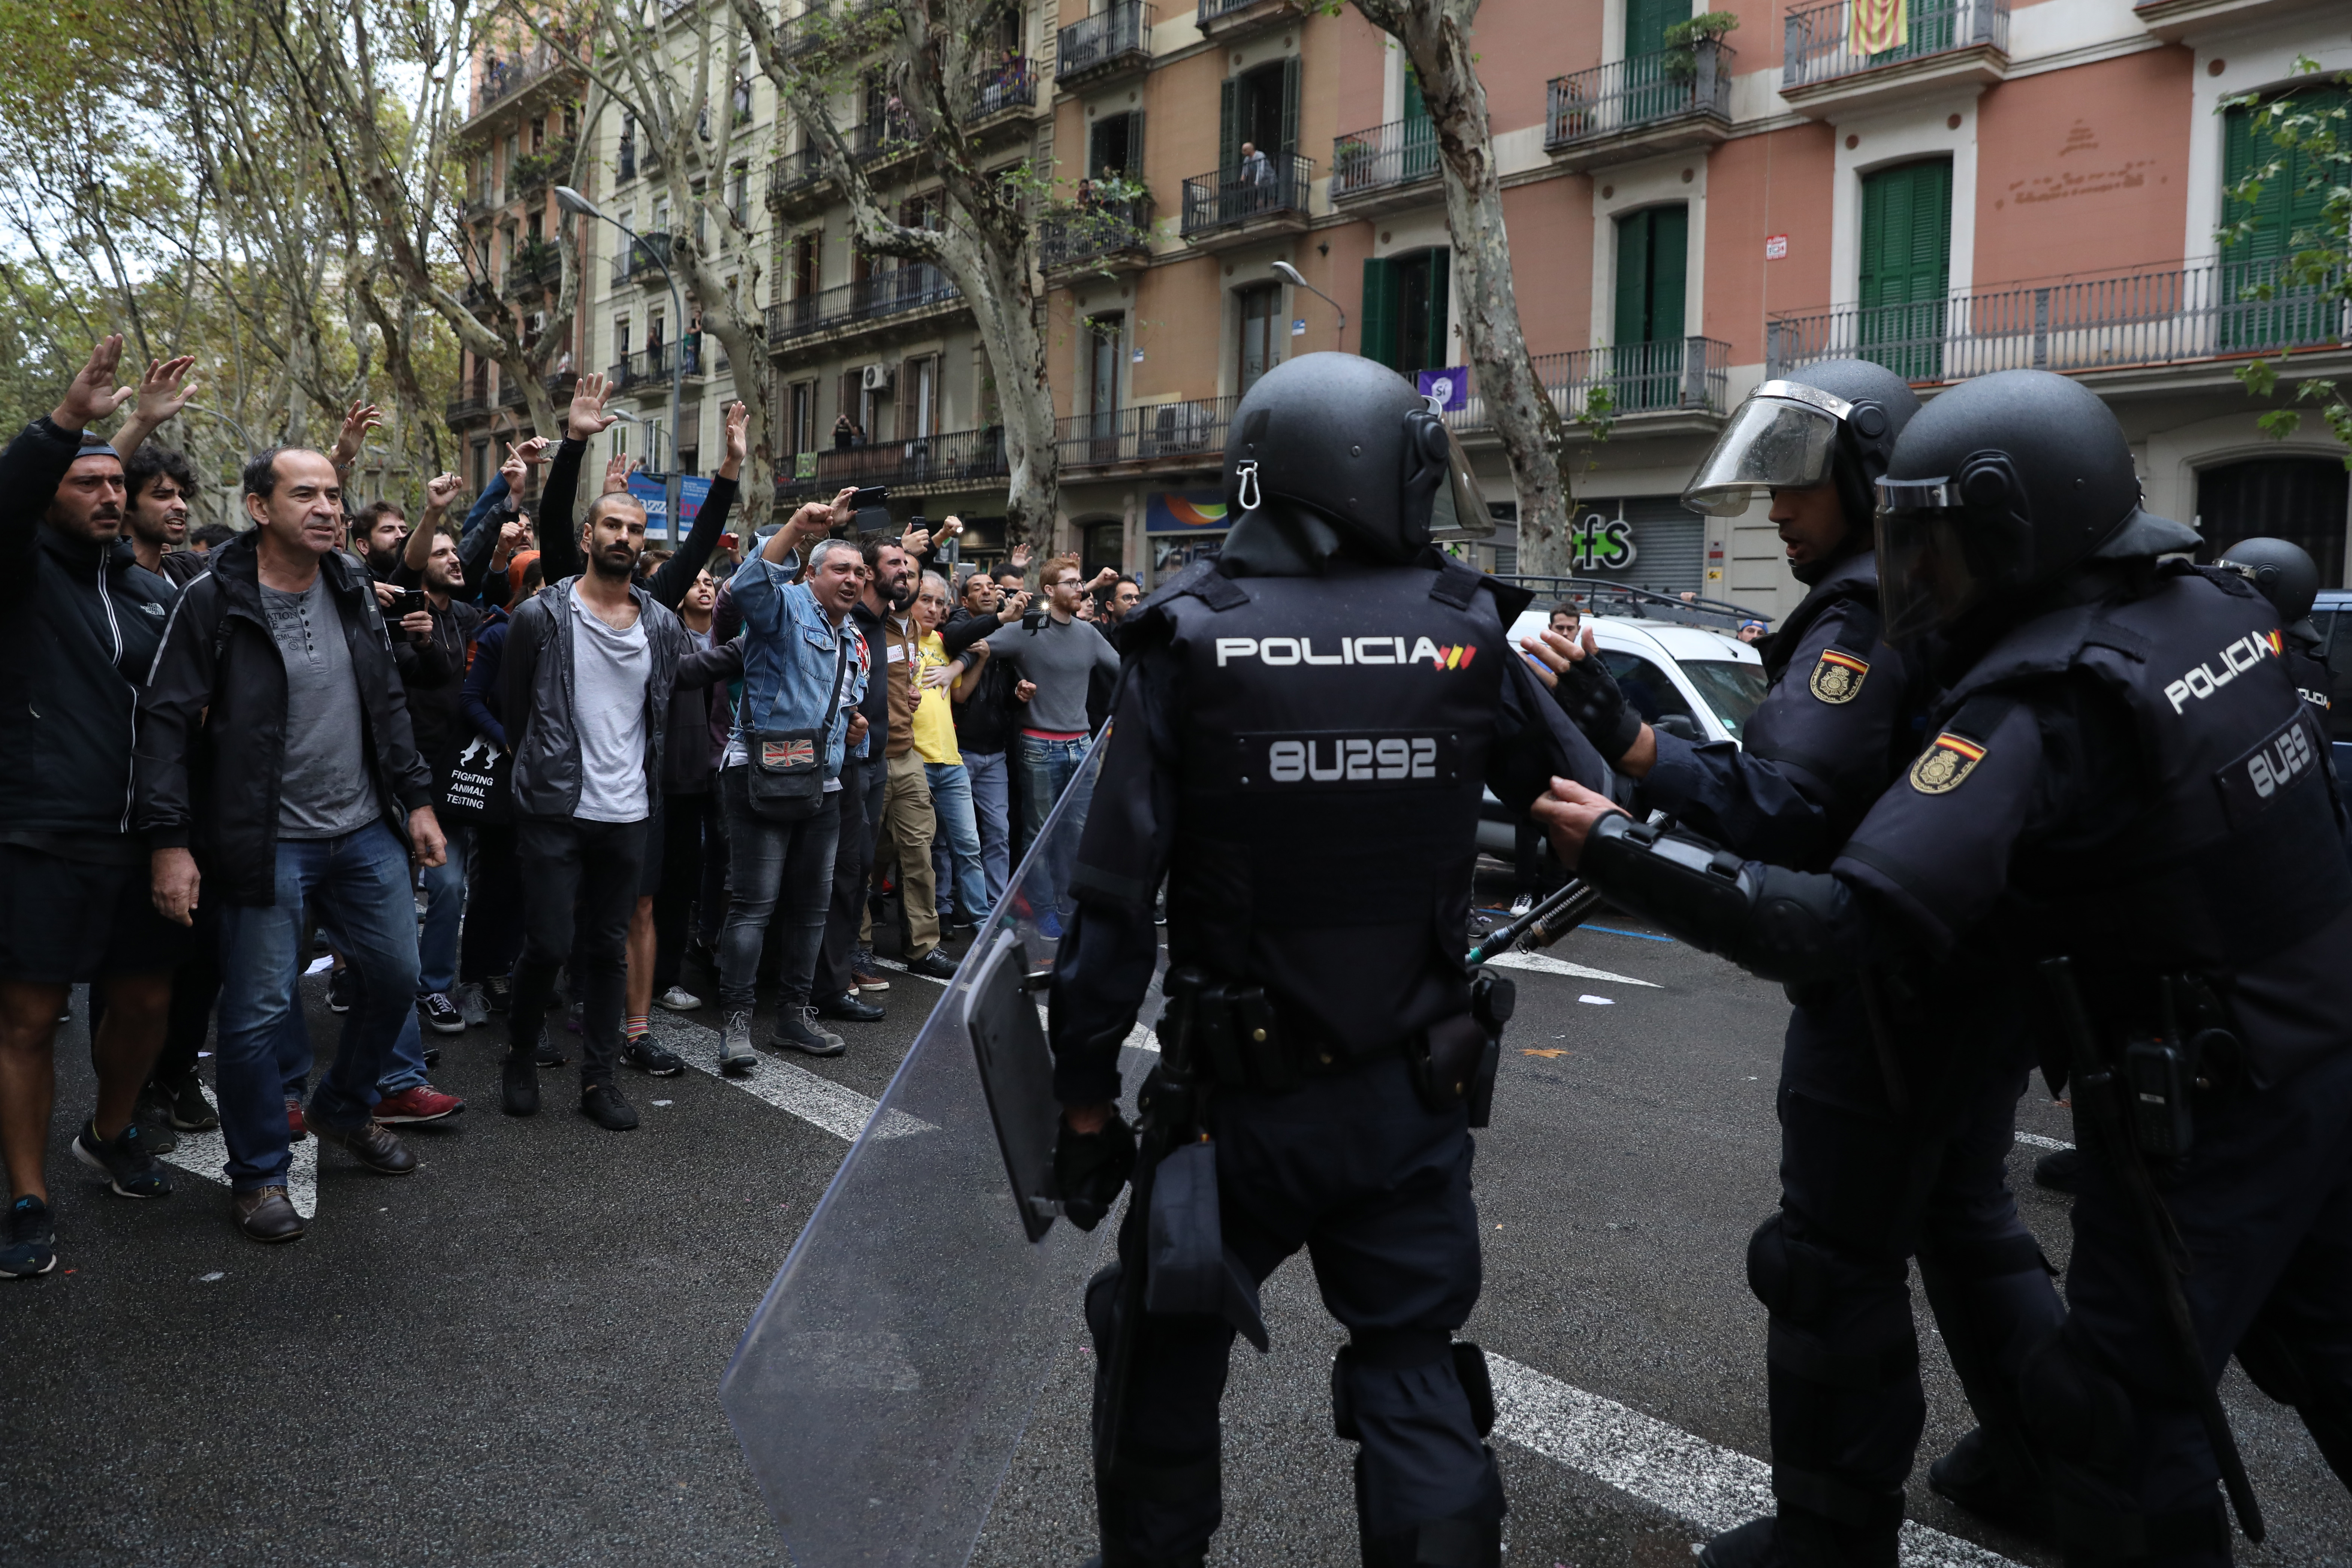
735, 1052
1522, 904
679, 999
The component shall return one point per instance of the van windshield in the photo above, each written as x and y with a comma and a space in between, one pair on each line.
1730, 687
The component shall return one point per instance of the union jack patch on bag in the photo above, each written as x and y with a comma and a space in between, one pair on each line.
797, 752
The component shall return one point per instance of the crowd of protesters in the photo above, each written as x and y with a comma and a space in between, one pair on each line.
478, 768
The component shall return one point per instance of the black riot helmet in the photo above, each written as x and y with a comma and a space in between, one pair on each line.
1834, 422
1999, 489
1347, 442
2281, 572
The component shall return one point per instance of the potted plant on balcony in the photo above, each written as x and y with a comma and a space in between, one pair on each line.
1684, 38
1351, 163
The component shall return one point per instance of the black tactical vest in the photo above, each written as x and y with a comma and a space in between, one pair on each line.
1334, 735
2238, 854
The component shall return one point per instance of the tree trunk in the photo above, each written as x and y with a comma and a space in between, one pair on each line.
1436, 38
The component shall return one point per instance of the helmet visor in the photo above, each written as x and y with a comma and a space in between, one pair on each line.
1459, 510
1782, 437
1928, 576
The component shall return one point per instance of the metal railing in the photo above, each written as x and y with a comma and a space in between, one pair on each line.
533, 266
954, 458
1400, 152
1124, 29
2170, 316
501, 79
1641, 89
1681, 375
644, 256
534, 171
1219, 200
1009, 84
880, 141
891, 293
1819, 43
1191, 432
457, 410
1080, 235
1211, 10
796, 171
653, 363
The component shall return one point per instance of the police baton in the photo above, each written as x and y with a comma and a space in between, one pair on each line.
1546, 923
2094, 1084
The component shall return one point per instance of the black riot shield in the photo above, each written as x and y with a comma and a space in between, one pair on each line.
885, 1381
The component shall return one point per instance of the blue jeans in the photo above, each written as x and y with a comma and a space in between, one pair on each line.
952, 804
780, 869
445, 909
402, 1070
359, 885
1046, 769
991, 797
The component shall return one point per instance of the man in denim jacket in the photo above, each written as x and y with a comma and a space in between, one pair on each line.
796, 636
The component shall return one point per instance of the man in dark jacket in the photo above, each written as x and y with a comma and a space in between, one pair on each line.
80, 622
276, 766
984, 718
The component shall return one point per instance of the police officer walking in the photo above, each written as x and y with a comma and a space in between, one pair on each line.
2122, 807
2284, 572
1298, 743
1884, 1154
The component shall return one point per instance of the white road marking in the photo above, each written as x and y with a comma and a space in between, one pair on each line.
2035, 1140
1542, 965
1707, 1486
205, 1154
815, 1099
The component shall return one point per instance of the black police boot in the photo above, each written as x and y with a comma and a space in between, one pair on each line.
1755, 1544
1469, 1543
1796, 1539
2059, 1171
1981, 1478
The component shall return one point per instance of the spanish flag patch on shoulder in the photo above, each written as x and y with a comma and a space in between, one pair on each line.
1837, 676
1942, 766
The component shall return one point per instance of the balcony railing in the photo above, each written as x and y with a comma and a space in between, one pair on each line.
1400, 152
892, 293
1191, 432
534, 266
1009, 84
1688, 375
458, 410
797, 171
955, 457
534, 171
653, 363
1625, 95
500, 80
880, 141
2122, 320
1214, 11
1820, 42
1276, 187
1080, 235
644, 256
1121, 33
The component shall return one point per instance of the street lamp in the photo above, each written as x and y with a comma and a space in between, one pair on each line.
571, 201
1289, 274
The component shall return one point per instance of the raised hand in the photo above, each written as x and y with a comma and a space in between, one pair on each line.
512, 471
1020, 558
440, 490
532, 449
92, 394
915, 541
358, 421
587, 417
738, 433
164, 390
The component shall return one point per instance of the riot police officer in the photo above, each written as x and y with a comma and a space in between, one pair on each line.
1298, 743
2122, 806
1884, 1153
2283, 571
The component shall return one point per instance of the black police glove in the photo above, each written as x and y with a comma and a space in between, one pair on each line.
1596, 704
1090, 1168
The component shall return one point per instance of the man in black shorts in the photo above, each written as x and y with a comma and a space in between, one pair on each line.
79, 623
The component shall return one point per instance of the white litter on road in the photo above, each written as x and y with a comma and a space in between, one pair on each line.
1598, 1001
205, 1154
1542, 965
815, 1099
325, 960
1708, 1488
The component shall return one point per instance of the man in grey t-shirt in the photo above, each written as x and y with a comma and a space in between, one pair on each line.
325, 791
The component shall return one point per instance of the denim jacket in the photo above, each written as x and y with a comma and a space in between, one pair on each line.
788, 658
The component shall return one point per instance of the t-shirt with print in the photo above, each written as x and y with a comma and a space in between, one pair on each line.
325, 788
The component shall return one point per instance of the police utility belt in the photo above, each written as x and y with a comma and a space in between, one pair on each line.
1230, 1035
2194, 1048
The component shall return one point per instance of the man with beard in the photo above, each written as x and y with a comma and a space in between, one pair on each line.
590, 662
80, 622
379, 535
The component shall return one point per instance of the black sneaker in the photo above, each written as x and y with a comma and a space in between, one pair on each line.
438, 1014
497, 992
29, 1244
934, 965
130, 1170
797, 1031
153, 1114
608, 1107
642, 1053
849, 1009
546, 1055
342, 989
190, 1111
2059, 1171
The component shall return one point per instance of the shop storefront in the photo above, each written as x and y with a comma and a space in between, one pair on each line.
1180, 527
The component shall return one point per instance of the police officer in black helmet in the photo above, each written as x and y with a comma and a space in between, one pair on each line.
1887, 1151
1298, 741
2284, 572
2121, 804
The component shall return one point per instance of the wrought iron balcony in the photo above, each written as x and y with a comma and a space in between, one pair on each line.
956, 458
1681, 375
2123, 321
502, 79
1273, 193
1105, 43
1107, 235
644, 258
535, 265
796, 177
649, 368
1642, 104
1364, 162
1819, 51
1190, 433
463, 410
882, 140
534, 171
896, 293
1232, 18
1009, 84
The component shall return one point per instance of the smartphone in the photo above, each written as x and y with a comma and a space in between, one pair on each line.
869, 495
727, 541
406, 603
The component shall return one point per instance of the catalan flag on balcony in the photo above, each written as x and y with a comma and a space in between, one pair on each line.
1874, 26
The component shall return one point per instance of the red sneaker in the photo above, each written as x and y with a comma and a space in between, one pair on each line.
295, 1130
419, 1102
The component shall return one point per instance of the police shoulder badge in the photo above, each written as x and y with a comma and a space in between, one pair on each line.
1942, 766
1837, 676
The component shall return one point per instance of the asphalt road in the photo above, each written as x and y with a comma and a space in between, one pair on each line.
513, 1355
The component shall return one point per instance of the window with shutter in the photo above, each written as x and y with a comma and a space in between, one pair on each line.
2286, 215
1653, 268
1907, 262
1288, 142
1377, 336
1228, 126
1646, 22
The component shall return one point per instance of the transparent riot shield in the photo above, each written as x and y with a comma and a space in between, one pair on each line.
887, 1378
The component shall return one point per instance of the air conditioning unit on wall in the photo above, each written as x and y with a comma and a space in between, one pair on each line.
877, 378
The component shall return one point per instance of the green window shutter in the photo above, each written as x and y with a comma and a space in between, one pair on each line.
2295, 199
1906, 234
1441, 347
1414, 108
1378, 313
1229, 130
1646, 22
1135, 146
1290, 107
1669, 270
1632, 280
